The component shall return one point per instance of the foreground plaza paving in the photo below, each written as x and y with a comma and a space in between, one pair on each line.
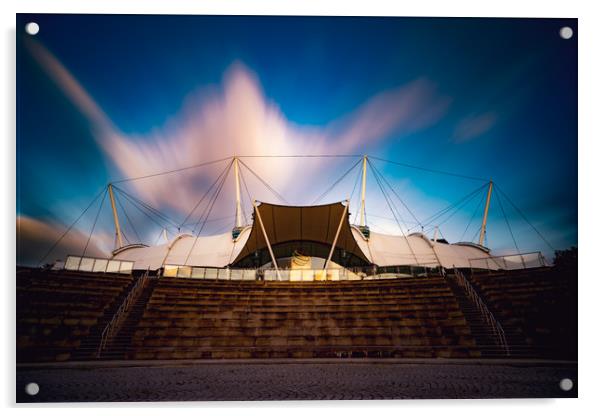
314, 380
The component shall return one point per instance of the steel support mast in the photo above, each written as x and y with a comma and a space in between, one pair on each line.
238, 207
363, 207
118, 238
485, 213
365, 230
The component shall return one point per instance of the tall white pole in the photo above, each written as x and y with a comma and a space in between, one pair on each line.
485, 213
363, 207
336, 238
115, 218
265, 235
238, 208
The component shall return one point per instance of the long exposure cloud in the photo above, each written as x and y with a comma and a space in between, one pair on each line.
35, 237
238, 119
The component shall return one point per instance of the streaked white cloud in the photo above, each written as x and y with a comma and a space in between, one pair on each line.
69, 85
238, 119
474, 126
35, 238
403, 110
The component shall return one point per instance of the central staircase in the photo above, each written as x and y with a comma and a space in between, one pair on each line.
401, 318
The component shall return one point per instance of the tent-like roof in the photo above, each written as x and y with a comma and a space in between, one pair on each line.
416, 249
317, 223
314, 224
185, 249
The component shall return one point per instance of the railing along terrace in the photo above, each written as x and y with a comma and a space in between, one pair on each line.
519, 261
269, 274
483, 310
98, 265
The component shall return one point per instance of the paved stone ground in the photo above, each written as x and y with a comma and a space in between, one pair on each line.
296, 381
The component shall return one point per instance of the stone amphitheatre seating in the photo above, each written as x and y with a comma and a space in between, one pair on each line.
537, 309
412, 317
56, 310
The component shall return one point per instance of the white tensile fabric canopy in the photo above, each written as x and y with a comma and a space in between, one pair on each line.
281, 224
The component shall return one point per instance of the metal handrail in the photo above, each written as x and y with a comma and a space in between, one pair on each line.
344, 273
501, 262
118, 316
483, 309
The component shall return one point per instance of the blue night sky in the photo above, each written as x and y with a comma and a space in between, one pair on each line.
489, 98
